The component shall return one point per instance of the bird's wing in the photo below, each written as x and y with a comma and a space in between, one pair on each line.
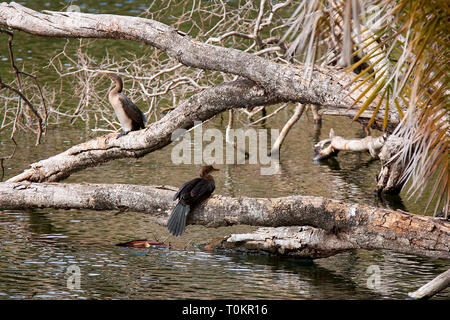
133, 111
203, 189
186, 188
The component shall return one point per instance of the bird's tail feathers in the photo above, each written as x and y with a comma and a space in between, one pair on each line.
177, 220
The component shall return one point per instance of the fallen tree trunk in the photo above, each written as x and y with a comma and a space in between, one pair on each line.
349, 225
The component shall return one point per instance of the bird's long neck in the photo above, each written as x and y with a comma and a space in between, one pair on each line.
207, 177
119, 86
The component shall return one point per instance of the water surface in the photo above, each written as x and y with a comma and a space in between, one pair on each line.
38, 246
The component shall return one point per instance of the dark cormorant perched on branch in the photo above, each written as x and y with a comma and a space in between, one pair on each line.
190, 194
130, 116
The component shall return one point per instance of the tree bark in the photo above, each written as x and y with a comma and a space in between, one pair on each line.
389, 179
337, 143
350, 226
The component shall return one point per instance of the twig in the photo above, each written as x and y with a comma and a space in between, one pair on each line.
17, 72
269, 115
287, 127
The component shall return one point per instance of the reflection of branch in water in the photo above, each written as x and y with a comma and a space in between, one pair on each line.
304, 276
42, 123
331, 163
24, 98
228, 182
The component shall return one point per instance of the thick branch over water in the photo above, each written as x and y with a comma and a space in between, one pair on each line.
200, 107
349, 225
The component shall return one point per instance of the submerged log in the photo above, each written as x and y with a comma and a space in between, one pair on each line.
337, 143
352, 225
441, 282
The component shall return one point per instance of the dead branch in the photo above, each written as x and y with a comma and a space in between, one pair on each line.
228, 137
441, 282
2, 159
337, 143
29, 104
265, 117
298, 111
342, 225
42, 124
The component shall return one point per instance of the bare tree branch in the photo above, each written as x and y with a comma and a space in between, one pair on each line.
200, 107
347, 226
298, 111
42, 124
29, 104
441, 282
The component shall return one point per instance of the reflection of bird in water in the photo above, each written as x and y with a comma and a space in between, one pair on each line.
190, 194
130, 116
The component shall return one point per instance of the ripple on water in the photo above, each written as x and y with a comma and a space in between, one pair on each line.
35, 266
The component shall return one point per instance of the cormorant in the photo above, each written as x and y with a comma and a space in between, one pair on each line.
190, 194
130, 116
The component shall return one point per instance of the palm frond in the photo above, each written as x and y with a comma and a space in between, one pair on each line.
399, 51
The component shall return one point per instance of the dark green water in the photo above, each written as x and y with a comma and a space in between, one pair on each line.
38, 246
